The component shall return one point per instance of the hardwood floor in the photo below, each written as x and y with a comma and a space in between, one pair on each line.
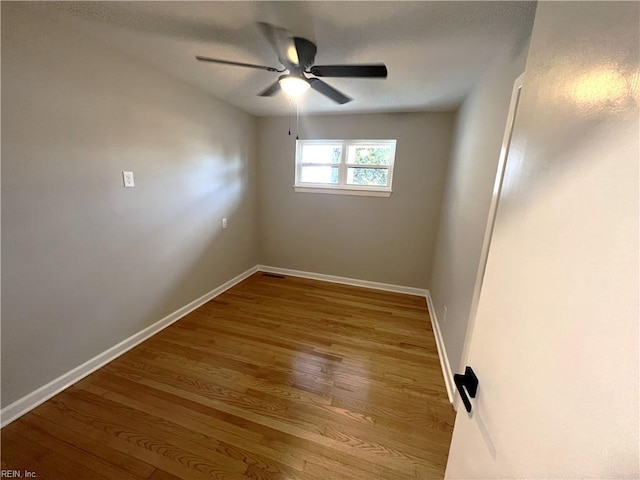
278, 378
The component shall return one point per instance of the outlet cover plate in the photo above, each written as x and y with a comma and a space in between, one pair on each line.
127, 179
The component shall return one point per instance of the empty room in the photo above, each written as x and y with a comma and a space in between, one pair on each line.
320, 240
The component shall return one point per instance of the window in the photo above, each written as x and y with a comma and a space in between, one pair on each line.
352, 167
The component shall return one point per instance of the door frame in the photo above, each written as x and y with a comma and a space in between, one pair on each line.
491, 219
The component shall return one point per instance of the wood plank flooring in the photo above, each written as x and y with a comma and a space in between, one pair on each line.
277, 378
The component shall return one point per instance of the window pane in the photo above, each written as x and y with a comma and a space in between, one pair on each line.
323, 174
371, 155
367, 176
321, 153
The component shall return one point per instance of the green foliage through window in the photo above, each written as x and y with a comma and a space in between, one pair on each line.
346, 164
369, 155
367, 176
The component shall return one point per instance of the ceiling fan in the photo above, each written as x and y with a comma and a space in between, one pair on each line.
297, 54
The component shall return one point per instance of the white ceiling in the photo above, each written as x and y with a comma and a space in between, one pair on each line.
434, 51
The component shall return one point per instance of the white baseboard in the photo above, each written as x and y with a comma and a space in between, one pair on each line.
442, 351
35, 398
345, 280
32, 400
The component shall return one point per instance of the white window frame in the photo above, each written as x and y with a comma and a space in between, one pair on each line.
342, 188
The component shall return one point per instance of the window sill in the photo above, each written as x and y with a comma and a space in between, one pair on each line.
344, 191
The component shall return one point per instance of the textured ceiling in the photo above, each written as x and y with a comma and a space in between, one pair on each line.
434, 51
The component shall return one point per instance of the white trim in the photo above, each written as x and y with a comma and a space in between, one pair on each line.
42, 394
343, 166
345, 280
32, 400
491, 217
343, 191
442, 351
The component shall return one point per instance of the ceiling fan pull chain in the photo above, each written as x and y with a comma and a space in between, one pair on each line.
289, 116
297, 119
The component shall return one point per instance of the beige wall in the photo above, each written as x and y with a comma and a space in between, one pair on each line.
387, 240
479, 130
85, 262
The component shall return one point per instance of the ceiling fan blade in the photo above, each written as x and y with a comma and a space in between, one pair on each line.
270, 90
365, 71
327, 90
281, 43
238, 64
306, 51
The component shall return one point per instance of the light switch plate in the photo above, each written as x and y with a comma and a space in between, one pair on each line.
127, 178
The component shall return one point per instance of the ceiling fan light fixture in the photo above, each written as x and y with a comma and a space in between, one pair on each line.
293, 86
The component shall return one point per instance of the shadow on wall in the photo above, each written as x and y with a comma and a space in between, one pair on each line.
220, 188
86, 263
